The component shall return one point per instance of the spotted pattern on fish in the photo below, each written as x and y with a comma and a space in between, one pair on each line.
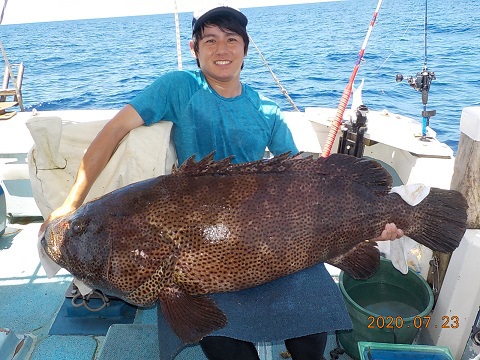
216, 227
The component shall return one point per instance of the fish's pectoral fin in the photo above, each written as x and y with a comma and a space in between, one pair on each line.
191, 317
360, 262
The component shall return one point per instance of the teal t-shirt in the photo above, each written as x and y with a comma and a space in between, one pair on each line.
204, 121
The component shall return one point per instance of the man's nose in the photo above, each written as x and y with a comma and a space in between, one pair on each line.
222, 47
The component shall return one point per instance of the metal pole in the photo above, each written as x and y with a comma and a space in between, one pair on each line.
177, 31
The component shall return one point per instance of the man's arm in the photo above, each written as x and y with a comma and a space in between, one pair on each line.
96, 158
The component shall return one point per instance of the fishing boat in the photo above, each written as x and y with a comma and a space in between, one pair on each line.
45, 317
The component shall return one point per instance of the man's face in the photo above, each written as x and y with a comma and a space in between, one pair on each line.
220, 54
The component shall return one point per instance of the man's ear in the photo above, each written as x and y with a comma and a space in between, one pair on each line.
192, 49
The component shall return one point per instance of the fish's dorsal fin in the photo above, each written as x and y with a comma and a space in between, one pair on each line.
207, 166
191, 317
361, 170
277, 164
360, 262
365, 171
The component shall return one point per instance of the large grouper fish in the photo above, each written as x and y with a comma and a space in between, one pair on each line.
213, 226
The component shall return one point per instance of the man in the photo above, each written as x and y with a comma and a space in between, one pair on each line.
212, 110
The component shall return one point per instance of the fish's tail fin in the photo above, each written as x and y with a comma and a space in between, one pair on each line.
444, 220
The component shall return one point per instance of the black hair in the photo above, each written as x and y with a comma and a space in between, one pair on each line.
224, 22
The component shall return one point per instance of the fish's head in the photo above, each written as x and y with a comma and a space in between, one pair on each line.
77, 243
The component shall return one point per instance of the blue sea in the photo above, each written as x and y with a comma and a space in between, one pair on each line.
311, 48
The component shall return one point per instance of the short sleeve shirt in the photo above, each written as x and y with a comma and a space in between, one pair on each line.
204, 121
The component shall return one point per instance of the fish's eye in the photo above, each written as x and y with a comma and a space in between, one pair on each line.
77, 227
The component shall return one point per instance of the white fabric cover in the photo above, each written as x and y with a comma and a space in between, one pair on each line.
59, 147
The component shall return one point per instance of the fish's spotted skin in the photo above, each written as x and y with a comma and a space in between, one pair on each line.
216, 227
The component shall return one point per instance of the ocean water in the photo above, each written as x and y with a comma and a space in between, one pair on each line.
311, 48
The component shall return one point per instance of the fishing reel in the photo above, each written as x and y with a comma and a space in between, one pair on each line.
422, 84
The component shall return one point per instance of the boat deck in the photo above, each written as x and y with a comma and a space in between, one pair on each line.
38, 322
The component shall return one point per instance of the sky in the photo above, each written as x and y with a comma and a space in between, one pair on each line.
26, 11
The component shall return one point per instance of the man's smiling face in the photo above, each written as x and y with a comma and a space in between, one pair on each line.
221, 54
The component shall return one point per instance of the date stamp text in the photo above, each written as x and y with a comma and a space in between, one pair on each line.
419, 322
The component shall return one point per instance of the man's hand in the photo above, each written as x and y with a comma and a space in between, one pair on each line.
390, 233
61, 211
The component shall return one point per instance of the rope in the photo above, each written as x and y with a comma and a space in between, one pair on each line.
284, 91
84, 300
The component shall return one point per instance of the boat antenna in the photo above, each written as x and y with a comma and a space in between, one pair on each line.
422, 82
348, 90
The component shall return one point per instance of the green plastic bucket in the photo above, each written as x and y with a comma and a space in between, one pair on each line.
388, 307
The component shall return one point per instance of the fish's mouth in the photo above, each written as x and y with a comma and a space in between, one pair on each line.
45, 245
46, 248
50, 247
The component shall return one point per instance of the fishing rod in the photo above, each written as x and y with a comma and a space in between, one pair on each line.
348, 90
422, 82
3, 10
